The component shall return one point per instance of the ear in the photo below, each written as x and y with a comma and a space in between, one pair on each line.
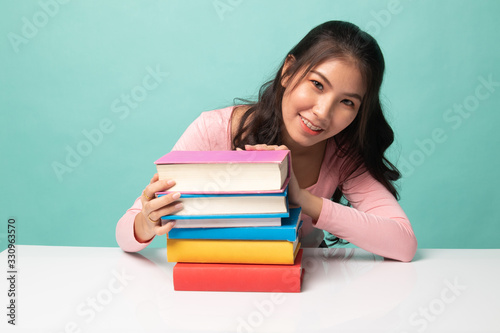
290, 59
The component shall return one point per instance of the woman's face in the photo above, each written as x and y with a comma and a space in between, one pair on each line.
322, 104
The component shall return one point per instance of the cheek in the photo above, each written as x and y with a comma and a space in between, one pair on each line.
350, 118
300, 98
343, 120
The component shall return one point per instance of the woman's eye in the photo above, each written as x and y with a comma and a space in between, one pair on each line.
317, 84
348, 102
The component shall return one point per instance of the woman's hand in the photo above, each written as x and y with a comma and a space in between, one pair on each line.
311, 205
295, 193
147, 223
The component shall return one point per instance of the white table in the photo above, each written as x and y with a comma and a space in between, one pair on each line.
75, 289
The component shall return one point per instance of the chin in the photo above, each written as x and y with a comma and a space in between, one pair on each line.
305, 142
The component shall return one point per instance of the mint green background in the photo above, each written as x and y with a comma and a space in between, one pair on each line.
64, 80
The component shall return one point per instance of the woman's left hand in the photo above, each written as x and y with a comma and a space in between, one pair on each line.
295, 193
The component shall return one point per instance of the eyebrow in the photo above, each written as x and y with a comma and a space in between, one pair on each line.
354, 95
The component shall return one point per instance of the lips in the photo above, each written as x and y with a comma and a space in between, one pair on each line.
309, 127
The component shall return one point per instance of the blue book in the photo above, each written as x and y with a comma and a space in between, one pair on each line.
288, 231
235, 205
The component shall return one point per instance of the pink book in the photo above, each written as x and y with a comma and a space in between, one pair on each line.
223, 156
216, 172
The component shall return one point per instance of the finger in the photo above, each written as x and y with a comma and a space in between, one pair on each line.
264, 147
163, 229
259, 147
161, 201
165, 205
168, 210
270, 147
151, 221
158, 186
282, 147
155, 178
145, 197
239, 149
250, 147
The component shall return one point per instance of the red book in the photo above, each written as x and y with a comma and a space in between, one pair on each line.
239, 277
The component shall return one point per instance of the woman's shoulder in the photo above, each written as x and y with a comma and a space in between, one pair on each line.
217, 126
218, 115
209, 131
230, 115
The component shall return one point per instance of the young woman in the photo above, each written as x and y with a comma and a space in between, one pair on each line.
323, 105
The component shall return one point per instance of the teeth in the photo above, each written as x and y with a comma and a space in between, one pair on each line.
311, 126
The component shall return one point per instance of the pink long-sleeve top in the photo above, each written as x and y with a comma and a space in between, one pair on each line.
375, 222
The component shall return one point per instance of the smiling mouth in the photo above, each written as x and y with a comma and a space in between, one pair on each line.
310, 125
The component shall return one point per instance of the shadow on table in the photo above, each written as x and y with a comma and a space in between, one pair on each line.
355, 284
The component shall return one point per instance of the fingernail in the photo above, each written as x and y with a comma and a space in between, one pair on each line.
178, 206
176, 195
171, 182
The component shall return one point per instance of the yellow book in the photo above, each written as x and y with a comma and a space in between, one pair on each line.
232, 251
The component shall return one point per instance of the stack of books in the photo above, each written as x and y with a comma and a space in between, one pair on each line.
236, 231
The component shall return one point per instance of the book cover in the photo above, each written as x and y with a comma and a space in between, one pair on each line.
223, 156
239, 277
227, 223
249, 205
287, 231
226, 171
232, 251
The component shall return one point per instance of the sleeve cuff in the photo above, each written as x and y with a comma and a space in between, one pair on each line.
125, 235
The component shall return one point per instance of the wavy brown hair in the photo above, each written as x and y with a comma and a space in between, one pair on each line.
365, 140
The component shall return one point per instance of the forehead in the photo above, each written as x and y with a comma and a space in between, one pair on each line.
343, 73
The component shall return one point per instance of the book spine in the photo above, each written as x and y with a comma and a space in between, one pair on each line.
230, 251
240, 233
227, 277
227, 216
284, 193
221, 224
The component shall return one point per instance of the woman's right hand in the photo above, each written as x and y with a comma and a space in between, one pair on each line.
147, 223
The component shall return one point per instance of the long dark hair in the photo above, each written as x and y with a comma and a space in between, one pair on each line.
366, 139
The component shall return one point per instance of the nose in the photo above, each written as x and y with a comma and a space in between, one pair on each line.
323, 111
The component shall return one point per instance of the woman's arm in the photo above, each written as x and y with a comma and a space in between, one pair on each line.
140, 224
375, 222
196, 137
125, 235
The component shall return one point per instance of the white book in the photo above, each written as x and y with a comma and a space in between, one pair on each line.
228, 223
